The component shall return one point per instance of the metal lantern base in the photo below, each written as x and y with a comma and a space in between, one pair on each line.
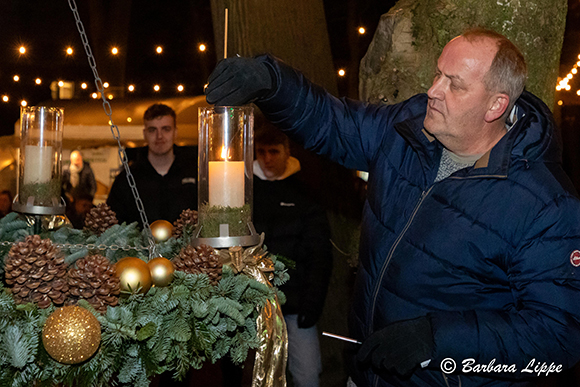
226, 241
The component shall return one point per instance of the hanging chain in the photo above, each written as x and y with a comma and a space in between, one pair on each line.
89, 246
114, 129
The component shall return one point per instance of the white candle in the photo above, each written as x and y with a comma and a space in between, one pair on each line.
37, 164
226, 183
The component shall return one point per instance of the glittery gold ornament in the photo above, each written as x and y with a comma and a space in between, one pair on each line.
161, 230
161, 271
133, 274
71, 335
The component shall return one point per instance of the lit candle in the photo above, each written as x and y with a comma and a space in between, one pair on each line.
226, 183
37, 164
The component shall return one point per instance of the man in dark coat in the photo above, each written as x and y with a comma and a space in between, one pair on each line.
469, 269
78, 176
296, 228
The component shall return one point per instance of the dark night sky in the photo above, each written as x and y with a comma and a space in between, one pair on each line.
47, 27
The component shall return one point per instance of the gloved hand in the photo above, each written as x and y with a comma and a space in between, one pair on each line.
399, 347
237, 80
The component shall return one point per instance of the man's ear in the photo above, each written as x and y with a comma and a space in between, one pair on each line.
497, 107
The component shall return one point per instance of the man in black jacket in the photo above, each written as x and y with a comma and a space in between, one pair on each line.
296, 228
165, 174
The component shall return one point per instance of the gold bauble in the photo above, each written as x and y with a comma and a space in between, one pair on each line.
133, 274
71, 335
161, 230
161, 271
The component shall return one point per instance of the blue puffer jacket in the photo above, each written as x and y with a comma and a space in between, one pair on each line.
490, 253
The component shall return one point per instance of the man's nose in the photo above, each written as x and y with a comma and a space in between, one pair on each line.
436, 89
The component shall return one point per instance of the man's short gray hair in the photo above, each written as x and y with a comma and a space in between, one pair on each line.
508, 71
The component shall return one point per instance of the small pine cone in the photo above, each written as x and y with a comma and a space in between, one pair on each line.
94, 280
188, 218
202, 259
100, 218
35, 271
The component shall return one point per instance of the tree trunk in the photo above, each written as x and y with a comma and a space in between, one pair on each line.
400, 61
294, 31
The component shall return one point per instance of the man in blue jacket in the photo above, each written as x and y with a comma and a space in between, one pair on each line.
470, 244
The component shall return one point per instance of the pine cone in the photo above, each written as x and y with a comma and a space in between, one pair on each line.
187, 218
196, 260
36, 272
100, 218
94, 280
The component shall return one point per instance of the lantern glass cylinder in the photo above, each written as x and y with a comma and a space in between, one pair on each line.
39, 162
226, 154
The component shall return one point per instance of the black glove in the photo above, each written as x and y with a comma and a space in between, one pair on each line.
236, 81
399, 347
306, 319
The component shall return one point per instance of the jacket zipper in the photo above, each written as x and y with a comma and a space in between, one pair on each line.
389, 256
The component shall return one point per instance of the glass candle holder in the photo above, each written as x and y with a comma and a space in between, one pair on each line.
226, 154
40, 161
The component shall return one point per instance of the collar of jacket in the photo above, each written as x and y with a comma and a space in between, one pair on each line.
495, 163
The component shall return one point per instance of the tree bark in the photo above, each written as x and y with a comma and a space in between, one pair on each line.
400, 61
294, 31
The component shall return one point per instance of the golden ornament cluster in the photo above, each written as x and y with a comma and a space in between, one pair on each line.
71, 335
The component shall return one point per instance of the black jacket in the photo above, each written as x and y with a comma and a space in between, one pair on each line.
163, 197
87, 183
296, 228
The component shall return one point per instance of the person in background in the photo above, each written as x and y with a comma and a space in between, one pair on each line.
5, 203
79, 176
296, 229
77, 210
165, 174
470, 239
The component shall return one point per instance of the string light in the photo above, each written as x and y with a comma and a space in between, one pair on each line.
94, 95
180, 88
22, 50
23, 103
131, 88
84, 85
341, 73
16, 78
69, 51
361, 30
5, 98
106, 85
38, 81
114, 50
159, 49
202, 47
60, 83
156, 87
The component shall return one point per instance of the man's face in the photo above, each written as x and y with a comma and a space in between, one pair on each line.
272, 159
76, 159
458, 99
160, 135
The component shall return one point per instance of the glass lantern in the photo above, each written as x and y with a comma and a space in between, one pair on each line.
225, 183
39, 162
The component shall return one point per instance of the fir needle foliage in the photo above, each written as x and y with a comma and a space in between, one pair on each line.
173, 328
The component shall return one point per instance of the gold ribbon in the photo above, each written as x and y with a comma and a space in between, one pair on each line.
272, 354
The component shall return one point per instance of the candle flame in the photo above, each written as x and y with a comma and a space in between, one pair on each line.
225, 154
